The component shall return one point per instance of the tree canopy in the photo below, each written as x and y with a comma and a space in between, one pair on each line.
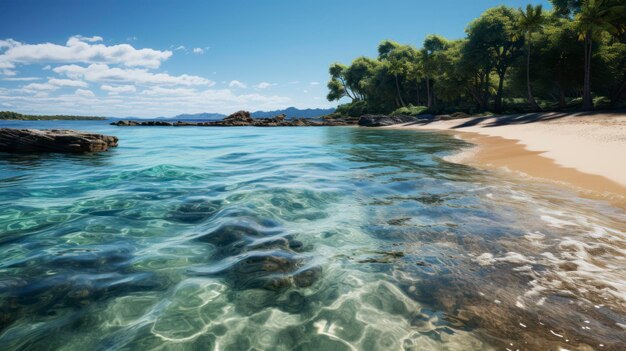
511, 60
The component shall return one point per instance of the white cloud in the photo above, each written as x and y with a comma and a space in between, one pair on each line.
264, 85
23, 79
79, 49
8, 43
67, 83
155, 101
315, 83
103, 73
128, 78
167, 92
88, 39
117, 89
198, 51
237, 84
9, 72
40, 86
180, 47
53, 84
84, 93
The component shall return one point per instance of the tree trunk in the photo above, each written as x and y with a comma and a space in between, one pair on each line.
418, 93
587, 101
497, 106
531, 98
486, 92
561, 97
429, 98
618, 94
345, 87
398, 90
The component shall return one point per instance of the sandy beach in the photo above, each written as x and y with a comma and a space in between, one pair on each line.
583, 150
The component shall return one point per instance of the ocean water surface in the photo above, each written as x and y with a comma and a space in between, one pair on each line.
329, 238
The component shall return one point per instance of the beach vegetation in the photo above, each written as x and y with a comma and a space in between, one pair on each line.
572, 57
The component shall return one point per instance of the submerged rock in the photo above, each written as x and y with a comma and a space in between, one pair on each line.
53, 140
384, 120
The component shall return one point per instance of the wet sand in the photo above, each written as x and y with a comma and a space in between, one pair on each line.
584, 151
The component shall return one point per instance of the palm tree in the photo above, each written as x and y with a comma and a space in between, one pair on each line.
530, 21
595, 17
396, 68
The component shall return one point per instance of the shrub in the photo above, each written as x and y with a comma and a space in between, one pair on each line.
410, 110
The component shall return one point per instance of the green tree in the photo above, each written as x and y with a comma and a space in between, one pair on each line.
337, 86
530, 22
494, 32
594, 18
433, 44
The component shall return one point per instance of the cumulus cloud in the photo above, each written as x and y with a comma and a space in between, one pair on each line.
160, 91
84, 93
23, 79
128, 79
67, 83
198, 51
103, 73
8, 43
237, 84
117, 89
39, 86
53, 84
79, 49
264, 85
147, 103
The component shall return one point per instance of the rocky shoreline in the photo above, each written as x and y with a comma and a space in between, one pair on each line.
244, 119
53, 140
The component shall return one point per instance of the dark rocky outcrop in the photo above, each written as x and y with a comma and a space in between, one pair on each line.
53, 140
384, 120
244, 119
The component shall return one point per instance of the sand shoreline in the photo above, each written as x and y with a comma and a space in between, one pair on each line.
584, 151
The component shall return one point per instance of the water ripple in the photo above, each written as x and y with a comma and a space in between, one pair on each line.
298, 238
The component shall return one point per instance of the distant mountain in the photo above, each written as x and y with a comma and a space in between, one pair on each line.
291, 112
205, 116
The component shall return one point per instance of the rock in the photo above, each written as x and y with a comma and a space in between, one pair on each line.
53, 140
384, 120
239, 117
125, 123
244, 119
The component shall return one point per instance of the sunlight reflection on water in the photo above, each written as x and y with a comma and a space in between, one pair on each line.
298, 238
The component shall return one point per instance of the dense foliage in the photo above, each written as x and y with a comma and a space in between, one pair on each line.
15, 115
511, 60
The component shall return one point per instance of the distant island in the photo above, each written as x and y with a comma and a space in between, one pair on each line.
18, 116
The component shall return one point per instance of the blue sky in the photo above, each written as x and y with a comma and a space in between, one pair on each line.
162, 58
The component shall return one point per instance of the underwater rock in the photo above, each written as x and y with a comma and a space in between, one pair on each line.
384, 120
53, 140
307, 277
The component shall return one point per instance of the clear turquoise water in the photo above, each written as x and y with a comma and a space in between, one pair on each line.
298, 239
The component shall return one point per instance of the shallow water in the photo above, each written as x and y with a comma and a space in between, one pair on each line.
298, 239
